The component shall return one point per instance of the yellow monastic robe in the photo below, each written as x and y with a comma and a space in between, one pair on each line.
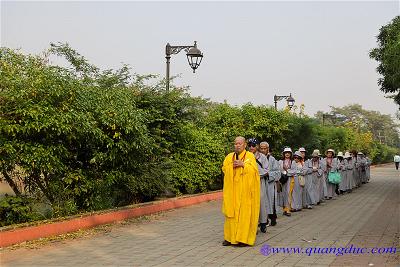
241, 199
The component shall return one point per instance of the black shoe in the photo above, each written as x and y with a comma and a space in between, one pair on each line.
318, 203
242, 245
273, 222
287, 213
263, 227
226, 243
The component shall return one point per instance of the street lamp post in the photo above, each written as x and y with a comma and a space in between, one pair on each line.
290, 100
194, 57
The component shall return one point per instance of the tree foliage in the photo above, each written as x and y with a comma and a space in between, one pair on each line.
382, 127
78, 138
75, 140
388, 56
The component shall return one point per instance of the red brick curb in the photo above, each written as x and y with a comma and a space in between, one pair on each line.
15, 236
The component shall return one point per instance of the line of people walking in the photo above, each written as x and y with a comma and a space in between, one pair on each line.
294, 182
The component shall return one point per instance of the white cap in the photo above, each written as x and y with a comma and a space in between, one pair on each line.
287, 149
298, 154
330, 150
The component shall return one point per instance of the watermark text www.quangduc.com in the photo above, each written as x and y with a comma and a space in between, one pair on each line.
338, 251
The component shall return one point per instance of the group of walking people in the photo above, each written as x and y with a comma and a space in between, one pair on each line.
256, 184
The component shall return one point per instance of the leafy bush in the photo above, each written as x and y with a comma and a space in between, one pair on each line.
80, 145
384, 153
16, 210
197, 161
86, 139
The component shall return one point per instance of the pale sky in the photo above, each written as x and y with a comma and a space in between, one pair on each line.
318, 51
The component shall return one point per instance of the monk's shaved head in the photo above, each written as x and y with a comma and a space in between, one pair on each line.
240, 144
240, 138
264, 148
264, 144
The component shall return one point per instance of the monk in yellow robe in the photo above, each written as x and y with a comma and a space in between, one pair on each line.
241, 196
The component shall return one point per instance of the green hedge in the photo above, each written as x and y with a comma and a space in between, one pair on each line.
82, 139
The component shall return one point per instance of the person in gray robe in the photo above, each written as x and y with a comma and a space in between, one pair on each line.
262, 163
308, 189
273, 176
362, 168
368, 168
316, 176
285, 192
349, 172
323, 188
330, 165
356, 173
343, 172
296, 170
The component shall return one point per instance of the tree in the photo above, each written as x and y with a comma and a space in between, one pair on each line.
388, 55
76, 134
382, 126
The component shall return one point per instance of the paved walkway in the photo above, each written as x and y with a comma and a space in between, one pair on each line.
368, 217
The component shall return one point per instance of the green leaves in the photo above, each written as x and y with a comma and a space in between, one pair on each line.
388, 55
66, 130
262, 122
16, 210
80, 139
197, 160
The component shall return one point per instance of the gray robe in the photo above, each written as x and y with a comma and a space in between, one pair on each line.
283, 200
368, 169
312, 189
363, 171
323, 188
343, 173
349, 173
356, 173
329, 186
263, 186
274, 175
309, 188
297, 195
